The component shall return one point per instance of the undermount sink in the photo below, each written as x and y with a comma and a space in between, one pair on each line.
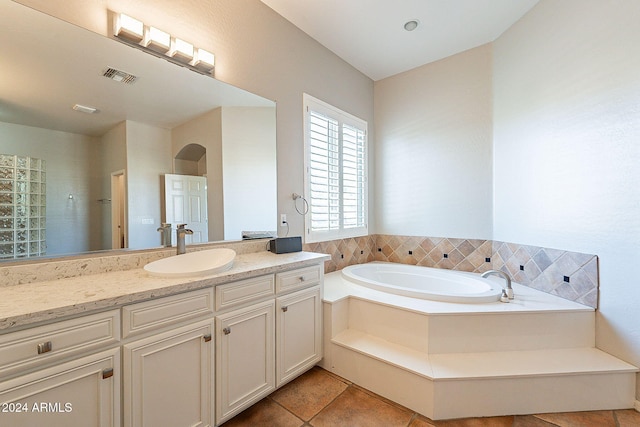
192, 264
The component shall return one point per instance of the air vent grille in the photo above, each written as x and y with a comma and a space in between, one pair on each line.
120, 76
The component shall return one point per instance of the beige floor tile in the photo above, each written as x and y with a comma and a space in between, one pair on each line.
355, 408
265, 413
580, 419
628, 418
420, 421
477, 422
530, 421
309, 393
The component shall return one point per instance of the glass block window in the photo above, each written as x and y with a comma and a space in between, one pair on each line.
22, 206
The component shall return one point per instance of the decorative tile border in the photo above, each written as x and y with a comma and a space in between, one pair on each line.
570, 275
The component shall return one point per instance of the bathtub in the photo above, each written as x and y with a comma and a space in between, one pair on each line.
424, 282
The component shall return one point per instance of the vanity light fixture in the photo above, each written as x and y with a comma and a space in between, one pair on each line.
158, 42
129, 28
181, 50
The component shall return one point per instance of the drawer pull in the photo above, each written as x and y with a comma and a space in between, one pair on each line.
226, 331
44, 347
301, 278
285, 308
207, 338
107, 373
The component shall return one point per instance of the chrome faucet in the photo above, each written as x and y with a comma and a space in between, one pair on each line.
505, 276
181, 232
165, 229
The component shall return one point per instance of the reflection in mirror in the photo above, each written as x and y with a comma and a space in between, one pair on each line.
108, 170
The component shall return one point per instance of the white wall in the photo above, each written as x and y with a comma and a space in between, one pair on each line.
567, 150
256, 49
248, 164
70, 170
148, 159
433, 149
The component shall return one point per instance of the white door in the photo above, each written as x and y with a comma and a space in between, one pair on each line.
118, 210
186, 203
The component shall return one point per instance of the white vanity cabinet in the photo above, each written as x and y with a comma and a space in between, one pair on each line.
268, 332
245, 344
59, 377
298, 333
168, 374
195, 358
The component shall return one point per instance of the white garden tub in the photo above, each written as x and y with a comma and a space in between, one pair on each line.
424, 282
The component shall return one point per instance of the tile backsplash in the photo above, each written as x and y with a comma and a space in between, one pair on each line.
570, 275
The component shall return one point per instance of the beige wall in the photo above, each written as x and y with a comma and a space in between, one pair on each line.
433, 126
113, 153
256, 49
148, 159
567, 151
206, 130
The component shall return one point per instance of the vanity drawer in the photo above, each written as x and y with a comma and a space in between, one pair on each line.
298, 279
154, 314
236, 293
31, 347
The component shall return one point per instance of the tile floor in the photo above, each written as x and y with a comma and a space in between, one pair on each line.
321, 399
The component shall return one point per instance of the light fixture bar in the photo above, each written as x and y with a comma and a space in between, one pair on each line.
159, 42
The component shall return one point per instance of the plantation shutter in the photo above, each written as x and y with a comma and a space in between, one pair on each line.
336, 173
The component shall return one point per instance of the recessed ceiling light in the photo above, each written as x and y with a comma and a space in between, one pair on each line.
411, 25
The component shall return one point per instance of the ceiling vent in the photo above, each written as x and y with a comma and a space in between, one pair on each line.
120, 76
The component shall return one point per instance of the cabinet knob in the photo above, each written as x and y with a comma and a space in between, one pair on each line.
285, 308
207, 338
301, 278
226, 331
44, 347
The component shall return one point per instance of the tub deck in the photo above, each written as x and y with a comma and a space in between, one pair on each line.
451, 360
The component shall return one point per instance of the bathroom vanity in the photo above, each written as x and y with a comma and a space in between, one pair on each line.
126, 348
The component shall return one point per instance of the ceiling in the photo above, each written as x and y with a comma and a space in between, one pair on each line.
370, 34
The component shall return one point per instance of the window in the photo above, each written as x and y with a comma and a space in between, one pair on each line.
336, 172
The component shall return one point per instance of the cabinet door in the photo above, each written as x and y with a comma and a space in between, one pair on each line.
298, 332
81, 393
245, 354
168, 378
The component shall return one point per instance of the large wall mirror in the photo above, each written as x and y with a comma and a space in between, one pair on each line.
171, 146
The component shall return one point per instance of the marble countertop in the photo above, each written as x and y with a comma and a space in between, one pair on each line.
31, 303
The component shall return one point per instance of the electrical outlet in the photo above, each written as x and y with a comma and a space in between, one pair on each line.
283, 220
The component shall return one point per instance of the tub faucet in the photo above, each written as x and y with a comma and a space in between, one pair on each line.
505, 276
165, 231
181, 232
